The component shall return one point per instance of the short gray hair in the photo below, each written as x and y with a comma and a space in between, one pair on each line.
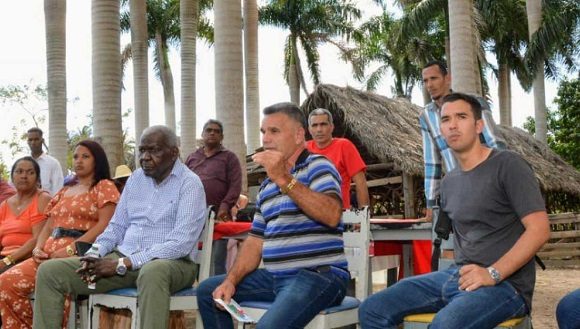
289, 109
168, 135
320, 111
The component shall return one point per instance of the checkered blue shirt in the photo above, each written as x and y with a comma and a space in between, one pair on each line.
157, 220
436, 150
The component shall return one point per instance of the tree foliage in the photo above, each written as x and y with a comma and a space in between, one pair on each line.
564, 123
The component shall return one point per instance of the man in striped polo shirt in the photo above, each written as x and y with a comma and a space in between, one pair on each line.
297, 232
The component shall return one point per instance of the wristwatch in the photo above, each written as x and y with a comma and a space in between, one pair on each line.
121, 267
494, 274
70, 251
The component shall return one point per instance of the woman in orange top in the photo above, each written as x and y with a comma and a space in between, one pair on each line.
22, 215
76, 213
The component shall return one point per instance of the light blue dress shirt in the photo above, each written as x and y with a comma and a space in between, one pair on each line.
157, 220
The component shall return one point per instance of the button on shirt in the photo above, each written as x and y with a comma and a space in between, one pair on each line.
157, 220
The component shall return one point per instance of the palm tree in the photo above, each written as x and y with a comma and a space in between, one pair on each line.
229, 77
188, 12
251, 71
554, 30
534, 10
140, 57
464, 65
310, 23
505, 34
380, 40
55, 21
163, 30
107, 78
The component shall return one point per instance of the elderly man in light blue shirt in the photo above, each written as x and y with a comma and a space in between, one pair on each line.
149, 242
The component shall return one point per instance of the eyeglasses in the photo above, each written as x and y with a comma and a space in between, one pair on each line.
210, 130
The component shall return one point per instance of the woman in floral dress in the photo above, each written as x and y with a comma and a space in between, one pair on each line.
76, 213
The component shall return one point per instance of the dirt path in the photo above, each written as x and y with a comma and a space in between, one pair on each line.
551, 286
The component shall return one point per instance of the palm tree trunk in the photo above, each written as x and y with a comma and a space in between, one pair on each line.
139, 48
534, 11
106, 61
505, 95
166, 81
229, 79
463, 61
188, 10
293, 84
55, 21
252, 76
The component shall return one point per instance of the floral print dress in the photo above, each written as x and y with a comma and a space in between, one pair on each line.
78, 212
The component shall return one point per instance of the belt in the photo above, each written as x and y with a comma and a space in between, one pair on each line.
60, 232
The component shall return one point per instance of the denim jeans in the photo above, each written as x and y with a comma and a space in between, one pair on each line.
568, 311
296, 300
438, 292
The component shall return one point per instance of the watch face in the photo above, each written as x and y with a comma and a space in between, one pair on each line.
121, 268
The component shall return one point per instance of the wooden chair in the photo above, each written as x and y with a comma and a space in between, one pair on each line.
356, 246
185, 299
423, 320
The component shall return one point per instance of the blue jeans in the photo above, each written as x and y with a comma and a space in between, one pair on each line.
438, 292
568, 311
296, 300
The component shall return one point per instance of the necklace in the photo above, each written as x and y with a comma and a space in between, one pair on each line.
22, 203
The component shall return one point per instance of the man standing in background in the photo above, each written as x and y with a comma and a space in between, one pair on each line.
342, 153
221, 175
51, 176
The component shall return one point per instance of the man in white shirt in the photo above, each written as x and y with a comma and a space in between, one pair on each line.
51, 177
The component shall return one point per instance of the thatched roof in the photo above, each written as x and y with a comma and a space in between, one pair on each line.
387, 130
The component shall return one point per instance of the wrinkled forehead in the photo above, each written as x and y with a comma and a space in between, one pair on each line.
153, 138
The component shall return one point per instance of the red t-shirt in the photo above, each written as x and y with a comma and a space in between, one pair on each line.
346, 159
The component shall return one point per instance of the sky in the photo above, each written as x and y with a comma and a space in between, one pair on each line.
23, 61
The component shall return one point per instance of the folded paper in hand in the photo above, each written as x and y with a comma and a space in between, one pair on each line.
235, 310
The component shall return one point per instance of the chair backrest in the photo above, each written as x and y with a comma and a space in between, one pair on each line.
203, 256
356, 248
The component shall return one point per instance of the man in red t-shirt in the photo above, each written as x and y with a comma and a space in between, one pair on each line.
342, 153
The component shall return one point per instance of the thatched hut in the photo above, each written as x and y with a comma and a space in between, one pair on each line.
386, 133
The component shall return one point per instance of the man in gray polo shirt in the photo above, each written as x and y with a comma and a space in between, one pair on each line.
500, 222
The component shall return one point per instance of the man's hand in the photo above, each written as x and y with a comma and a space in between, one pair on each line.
273, 162
472, 277
428, 215
224, 291
223, 215
93, 268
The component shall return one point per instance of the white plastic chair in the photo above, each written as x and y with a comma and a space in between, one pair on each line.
356, 246
185, 299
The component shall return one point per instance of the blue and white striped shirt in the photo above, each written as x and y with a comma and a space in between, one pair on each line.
157, 220
292, 240
435, 148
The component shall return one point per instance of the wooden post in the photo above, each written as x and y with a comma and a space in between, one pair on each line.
409, 195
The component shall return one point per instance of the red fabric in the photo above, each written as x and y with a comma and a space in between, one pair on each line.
6, 190
388, 248
421, 256
346, 159
230, 228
